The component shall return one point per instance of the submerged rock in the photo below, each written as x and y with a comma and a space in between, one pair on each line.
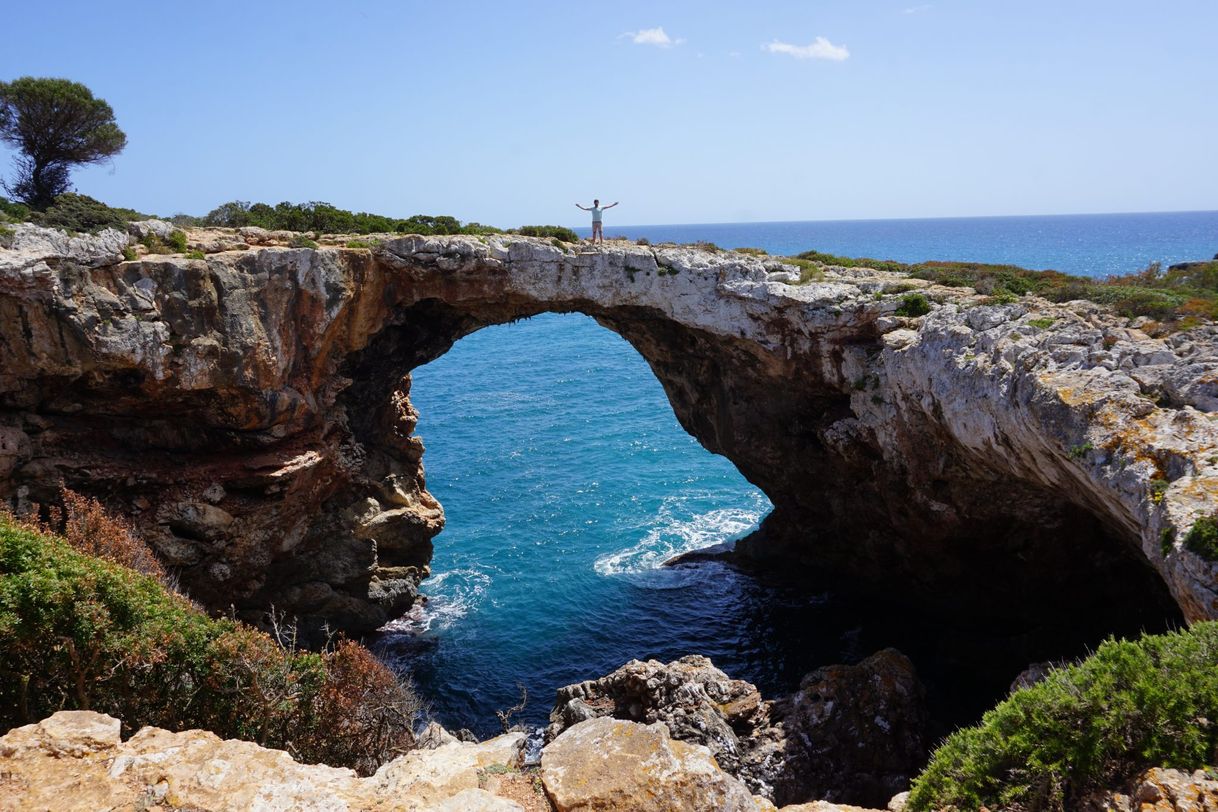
854, 733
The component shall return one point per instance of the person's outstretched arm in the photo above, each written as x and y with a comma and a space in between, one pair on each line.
581, 207
611, 205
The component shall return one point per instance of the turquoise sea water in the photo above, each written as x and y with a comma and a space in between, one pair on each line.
567, 481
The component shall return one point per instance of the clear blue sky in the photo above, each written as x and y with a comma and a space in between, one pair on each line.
508, 113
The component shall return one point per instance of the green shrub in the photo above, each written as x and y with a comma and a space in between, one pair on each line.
73, 212
129, 254
301, 241
322, 218
1128, 707
560, 232
753, 252
77, 632
913, 305
1042, 324
848, 262
1202, 538
6, 236
195, 255
177, 241
14, 212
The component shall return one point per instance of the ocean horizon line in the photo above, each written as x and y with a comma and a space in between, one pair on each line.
912, 219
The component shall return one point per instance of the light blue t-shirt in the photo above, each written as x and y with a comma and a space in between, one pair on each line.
596, 214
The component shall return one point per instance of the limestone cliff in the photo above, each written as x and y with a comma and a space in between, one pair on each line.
250, 412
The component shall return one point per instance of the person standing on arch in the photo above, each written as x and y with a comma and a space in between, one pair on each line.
596, 219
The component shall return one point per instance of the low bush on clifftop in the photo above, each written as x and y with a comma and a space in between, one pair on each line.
79, 632
1182, 296
1130, 706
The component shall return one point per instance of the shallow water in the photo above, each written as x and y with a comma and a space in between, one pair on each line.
567, 480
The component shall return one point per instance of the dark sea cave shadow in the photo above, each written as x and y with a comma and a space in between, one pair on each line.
795, 624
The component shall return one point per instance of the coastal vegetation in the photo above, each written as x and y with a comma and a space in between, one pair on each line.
88, 621
1131, 706
1180, 297
554, 232
55, 125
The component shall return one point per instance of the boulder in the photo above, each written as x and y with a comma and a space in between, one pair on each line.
609, 764
697, 702
853, 732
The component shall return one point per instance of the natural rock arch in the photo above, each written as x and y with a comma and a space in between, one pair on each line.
250, 412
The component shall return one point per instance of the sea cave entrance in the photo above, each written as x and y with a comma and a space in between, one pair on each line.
567, 481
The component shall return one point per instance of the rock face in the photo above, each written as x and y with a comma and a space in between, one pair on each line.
853, 732
850, 733
250, 413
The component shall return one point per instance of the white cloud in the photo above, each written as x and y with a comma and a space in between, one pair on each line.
820, 48
917, 9
652, 36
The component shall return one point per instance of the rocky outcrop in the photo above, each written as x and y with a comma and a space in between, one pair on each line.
606, 764
250, 413
853, 733
1162, 790
75, 761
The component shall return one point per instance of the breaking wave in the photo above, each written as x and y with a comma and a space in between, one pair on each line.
675, 531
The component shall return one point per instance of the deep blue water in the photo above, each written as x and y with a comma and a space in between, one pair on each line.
1089, 244
567, 480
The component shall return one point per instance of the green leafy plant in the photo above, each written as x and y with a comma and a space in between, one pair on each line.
129, 254
1158, 489
1079, 451
195, 255
322, 218
80, 213
81, 632
1042, 324
1202, 538
557, 232
301, 241
753, 252
1128, 707
177, 241
913, 305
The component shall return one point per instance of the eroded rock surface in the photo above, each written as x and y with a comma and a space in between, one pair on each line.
250, 412
606, 764
1163, 790
851, 732
75, 760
